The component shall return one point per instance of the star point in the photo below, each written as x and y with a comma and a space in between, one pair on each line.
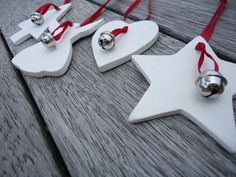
172, 91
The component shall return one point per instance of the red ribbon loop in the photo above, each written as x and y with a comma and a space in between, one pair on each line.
131, 8
64, 27
149, 9
67, 24
209, 29
134, 5
201, 47
94, 16
67, 1
44, 8
118, 31
207, 33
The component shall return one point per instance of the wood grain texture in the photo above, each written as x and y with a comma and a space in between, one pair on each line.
185, 20
86, 113
23, 151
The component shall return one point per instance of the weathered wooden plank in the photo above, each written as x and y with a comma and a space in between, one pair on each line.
24, 150
186, 19
86, 112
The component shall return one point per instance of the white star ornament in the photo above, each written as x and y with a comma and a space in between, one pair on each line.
172, 91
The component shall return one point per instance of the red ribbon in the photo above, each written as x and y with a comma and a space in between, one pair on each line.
118, 31
64, 27
67, 1
95, 15
134, 5
149, 9
68, 23
201, 47
209, 29
207, 33
44, 8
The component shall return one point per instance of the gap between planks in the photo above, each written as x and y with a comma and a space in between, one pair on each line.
143, 136
56, 155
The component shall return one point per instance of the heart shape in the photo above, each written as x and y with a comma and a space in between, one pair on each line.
140, 36
40, 61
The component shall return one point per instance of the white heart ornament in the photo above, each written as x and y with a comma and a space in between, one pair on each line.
140, 36
40, 61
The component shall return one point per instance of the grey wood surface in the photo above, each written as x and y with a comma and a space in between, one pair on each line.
186, 19
86, 112
24, 150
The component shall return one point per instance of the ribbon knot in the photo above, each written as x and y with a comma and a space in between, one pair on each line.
118, 31
125, 29
207, 33
62, 26
201, 47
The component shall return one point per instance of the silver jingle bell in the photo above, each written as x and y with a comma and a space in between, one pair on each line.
48, 40
107, 40
37, 18
211, 83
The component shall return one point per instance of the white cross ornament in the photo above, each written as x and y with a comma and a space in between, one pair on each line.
29, 29
172, 91
40, 61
